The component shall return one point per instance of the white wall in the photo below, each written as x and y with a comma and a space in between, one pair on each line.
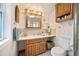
9, 47
4, 49
47, 14
64, 35
64, 30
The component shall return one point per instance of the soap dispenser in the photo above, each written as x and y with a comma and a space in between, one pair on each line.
49, 30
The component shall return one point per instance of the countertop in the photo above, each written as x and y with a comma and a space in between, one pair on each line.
35, 37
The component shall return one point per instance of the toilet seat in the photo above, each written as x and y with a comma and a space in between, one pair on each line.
58, 51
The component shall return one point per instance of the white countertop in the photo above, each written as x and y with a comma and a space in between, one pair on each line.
34, 37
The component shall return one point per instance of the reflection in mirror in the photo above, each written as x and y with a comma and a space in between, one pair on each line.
33, 19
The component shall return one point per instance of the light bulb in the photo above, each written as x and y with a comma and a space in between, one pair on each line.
28, 11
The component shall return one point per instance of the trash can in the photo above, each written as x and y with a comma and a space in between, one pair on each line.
49, 45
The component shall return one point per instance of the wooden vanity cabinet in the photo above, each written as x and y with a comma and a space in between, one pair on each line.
63, 11
67, 8
34, 46
59, 10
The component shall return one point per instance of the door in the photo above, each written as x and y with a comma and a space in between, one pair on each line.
76, 31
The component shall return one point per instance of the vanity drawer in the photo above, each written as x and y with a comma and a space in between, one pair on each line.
26, 42
31, 41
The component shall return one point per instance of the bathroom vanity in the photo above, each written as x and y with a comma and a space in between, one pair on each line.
32, 45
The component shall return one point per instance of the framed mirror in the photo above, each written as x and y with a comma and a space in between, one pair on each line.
17, 14
33, 19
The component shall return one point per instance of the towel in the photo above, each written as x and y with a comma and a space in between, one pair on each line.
15, 33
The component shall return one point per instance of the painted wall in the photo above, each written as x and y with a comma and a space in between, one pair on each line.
64, 35
47, 15
64, 30
9, 47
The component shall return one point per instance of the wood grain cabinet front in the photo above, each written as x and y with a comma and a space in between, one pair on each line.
67, 8
63, 11
34, 46
59, 9
28, 51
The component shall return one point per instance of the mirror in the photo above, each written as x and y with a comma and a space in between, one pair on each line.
33, 19
17, 14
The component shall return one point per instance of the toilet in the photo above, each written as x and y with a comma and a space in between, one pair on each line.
58, 51
61, 49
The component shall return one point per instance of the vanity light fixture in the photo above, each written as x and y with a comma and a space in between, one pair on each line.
33, 18
28, 11
39, 13
33, 12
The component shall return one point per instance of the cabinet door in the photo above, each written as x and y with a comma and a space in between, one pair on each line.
67, 8
37, 48
56, 9
41, 47
59, 9
33, 49
28, 50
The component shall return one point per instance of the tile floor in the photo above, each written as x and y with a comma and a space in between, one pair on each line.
48, 53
